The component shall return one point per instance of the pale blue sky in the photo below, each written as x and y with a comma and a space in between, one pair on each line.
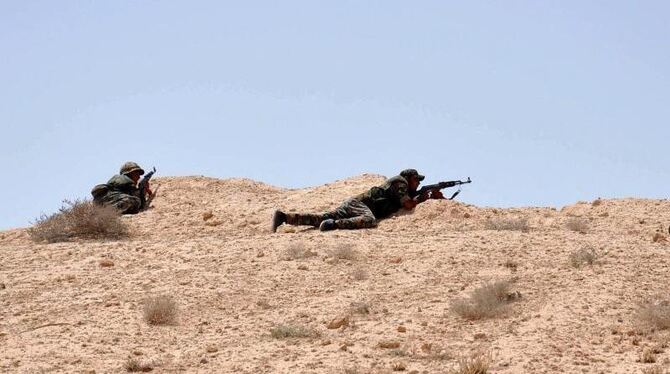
540, 102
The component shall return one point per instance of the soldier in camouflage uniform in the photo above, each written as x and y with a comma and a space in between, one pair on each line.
121, 190
364, 210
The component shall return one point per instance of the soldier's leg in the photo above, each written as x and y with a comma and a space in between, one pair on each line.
307, 219
125, 204
356, 216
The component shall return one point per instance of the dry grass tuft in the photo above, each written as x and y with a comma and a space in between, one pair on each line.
292, 331
655, 313
79, 219
360, 274
584, 256
343, 251
486, 301
648, 356
160, 310
580, 225
134, 365
360, 307
508, 224
297, 251
478, 363
658, 369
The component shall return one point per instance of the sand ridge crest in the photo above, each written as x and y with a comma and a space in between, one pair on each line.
235, 283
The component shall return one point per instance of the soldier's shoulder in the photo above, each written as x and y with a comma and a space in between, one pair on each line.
396, 179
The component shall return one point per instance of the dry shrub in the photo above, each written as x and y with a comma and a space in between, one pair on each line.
580, 225
655, 313
584, 256
511, 264
360, 274
478, 363
360, 307
134, 365
486, 301
648, 356
292, 331
81, 219
297, 251
509, 224
657, 369
160, 310
343, 251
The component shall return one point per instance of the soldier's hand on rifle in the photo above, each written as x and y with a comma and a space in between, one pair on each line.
436, 194
425, 195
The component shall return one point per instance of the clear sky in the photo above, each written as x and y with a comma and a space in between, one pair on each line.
540, 102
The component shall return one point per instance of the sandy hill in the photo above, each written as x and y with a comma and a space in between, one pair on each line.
234, 281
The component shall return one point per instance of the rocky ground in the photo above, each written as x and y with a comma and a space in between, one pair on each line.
376, 300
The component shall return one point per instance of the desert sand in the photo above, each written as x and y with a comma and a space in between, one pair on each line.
233, 281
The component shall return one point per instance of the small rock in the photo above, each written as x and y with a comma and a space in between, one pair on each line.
466, 215
396, 260
213, 223
338, 322
137, 352
207, 215
303, 267
597, 202
402, 329
424, 323
203, 360
326, 342
343, 347
427, 347
480, 335
212, 349
388, 344
659, 238
2, 286
106, 263
399, 366
260, 254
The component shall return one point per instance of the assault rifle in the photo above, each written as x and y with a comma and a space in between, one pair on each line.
441, 185
142, 186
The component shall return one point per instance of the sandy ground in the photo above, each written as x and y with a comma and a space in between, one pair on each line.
60, 311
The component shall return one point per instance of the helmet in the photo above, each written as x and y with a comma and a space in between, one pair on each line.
130, 167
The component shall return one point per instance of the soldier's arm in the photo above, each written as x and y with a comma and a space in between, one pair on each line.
406, 201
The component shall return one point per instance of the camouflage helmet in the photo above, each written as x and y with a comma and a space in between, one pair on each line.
130, 167
408, 173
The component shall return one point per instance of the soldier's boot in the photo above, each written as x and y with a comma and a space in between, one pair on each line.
304, 219
362, 222
278, 218
327, 225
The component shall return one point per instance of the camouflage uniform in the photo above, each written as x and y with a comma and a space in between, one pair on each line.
361, 211
120, 191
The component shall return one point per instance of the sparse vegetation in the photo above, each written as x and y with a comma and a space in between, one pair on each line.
577, 224
292, 331
584, 256
160, 310
511, 264
360, 307
343, 251
360, 274
297, 251
134, 365
79, 219
657, 369
655, 313
486, 301
509, 224
648, 356
478, 363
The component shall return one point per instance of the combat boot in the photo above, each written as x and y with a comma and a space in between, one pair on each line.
278, 218
327, 225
